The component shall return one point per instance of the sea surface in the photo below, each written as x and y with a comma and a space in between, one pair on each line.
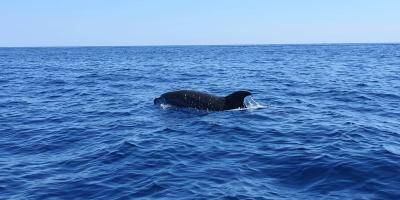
79, 123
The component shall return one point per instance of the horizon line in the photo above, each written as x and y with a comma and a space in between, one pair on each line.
233, 44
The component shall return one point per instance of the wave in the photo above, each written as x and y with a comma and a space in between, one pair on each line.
78, 123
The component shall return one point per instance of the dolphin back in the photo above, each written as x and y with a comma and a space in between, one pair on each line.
192, 99
202, 101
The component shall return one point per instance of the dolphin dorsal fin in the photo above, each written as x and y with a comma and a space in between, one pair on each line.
236, 100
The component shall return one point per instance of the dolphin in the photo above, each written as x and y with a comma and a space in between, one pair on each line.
203, 101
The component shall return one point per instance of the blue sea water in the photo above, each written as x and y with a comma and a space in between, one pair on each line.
79, 123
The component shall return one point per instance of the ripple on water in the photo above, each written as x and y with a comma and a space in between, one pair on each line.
80, 123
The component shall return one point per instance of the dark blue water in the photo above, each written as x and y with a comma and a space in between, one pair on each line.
79, 123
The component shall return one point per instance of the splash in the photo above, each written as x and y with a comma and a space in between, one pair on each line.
165, 106
251, 104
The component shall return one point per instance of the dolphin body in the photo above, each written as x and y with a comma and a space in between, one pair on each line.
203, 101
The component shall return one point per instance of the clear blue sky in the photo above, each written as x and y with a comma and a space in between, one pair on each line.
166, 22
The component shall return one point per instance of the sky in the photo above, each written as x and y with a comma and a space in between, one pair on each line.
196, 22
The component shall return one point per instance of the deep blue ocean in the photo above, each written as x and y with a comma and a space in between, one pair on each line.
79, 123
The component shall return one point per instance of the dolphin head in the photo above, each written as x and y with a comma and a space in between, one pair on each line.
236, 100
159, 100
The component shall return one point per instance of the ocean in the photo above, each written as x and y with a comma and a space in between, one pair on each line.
80, 123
